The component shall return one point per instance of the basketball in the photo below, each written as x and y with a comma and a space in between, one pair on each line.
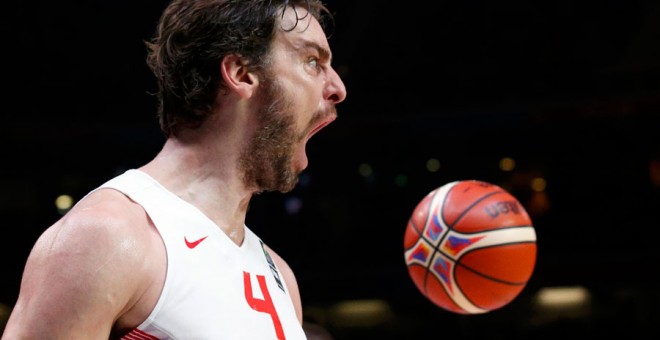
470, 247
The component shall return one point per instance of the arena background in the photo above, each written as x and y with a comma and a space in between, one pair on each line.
569, 90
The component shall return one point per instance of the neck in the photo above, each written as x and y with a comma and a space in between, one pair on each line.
206, 178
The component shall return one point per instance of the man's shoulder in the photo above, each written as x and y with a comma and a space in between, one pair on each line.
95, 251
103, 219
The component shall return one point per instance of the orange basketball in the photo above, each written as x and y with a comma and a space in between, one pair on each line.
470, 247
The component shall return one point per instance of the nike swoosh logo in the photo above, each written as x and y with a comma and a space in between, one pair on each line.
193, 244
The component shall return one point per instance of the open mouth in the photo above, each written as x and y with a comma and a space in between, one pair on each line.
319, 127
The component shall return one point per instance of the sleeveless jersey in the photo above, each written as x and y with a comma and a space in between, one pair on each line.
214, 289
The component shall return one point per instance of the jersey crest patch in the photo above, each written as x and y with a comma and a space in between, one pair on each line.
273, 269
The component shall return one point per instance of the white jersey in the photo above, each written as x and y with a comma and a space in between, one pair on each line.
214, 289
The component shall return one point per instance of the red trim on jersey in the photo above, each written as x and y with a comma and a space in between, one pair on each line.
137, 334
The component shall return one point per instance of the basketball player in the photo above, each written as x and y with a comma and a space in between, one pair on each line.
162, 251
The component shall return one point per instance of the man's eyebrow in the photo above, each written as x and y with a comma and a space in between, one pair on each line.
324, 53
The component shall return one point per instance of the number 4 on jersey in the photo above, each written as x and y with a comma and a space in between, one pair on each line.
264, 306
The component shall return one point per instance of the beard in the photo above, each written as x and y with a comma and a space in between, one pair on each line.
267, 161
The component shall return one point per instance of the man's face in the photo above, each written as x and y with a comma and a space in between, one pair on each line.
267, 161
297, 95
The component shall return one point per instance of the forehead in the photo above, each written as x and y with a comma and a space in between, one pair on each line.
298, 26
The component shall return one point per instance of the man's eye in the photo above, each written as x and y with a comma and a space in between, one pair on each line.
314, 62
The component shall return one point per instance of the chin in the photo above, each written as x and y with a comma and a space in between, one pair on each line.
299, 168
300, 161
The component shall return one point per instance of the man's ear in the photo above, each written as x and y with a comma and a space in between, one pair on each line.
237, 76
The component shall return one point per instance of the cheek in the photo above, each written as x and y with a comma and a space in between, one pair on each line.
305, 104
304, 95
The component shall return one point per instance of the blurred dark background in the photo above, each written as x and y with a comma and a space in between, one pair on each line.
569, 90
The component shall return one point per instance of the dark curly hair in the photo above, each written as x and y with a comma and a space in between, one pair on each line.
191, 39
